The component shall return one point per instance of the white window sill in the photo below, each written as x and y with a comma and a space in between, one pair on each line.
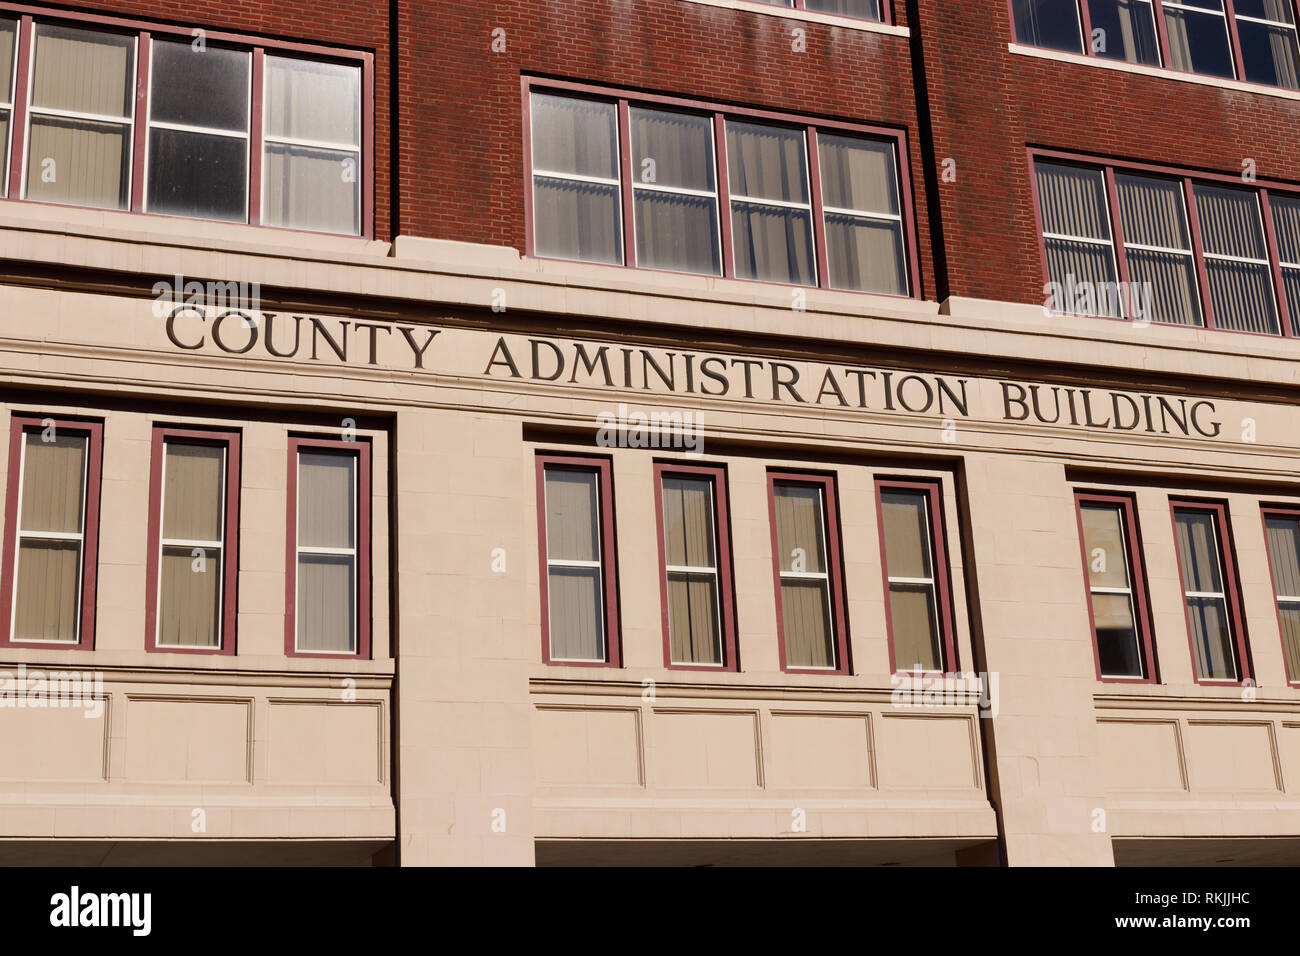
1163, 73
808, 16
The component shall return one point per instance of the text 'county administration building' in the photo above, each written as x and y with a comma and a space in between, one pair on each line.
656, 432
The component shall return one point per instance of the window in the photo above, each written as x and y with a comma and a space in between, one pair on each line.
1251, 40
1282, 532
859, 9
674, 185
918, 608
576, 535
1183, 251
695, 558
120, 115
193, 529
811, 621
47, 597
1214, 619
1117, 600
329, 548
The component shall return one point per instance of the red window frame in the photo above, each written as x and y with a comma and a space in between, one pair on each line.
1137, 584
933, 489
886, 10
229, 440
625, 100
144, 31
834, 567
608, 555
94, 430
1291, 512
1162, 36
1262, 189
364, 584
722, 545
1231, 586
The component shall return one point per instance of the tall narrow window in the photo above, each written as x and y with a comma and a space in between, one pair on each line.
1236, 259
198, 131
695, 559
1158, 247
577, 209
806, 565
918, 609
1053, 24
865, 249
1267, 31
1282, 532
1286, 224
82, 109
1116, 587
1213, 613
1124, 30
193, 526
311, 177
771, 208
676, 194
1077, 235
1198, 37
579, 593
8, 68
329, 542
48, 592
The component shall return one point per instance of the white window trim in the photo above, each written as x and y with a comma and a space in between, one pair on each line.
219, 546
598, 565
353, 552
811, 16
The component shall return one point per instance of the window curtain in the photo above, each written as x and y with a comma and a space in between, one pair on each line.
770, 242
1072, 201
1128, 30
574, 601
1286, 226
1053, 24
1152, 214
863, 254
1198, 41
190, 590
1242, 292
1268, 51
1211, 633
326, 609
1284, 552
865, 9
575, 219
912, 605
674, 230
692, 596
805, 603
81, 161
8, 31
1113, 614
49, 579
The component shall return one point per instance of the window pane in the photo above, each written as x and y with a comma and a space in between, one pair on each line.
53, 482
79, 162
688, 522
1269, 53
8, 32
800, 527
1277, 10
1198, 551
767, 162
326, 500
1048, 23
1198, 42
914, 627
572, 515
672, 149
677, 232
858, 174
576, 220
772, 243
1152, 214
314, 101
84, 71
1284, 555
1241, 292
577, 626
806, 624
693, 619
326, 609
905, 516
1117, 640
574, 136
1128, 30
199, 88
45, 596
1211, 639
865, 255
1286, 224
1290, 618
1230, 223
309, 188
4, 151
197, 174
1104, 542
866, 9
189, 593
1073, 201
192, 492
1151, 211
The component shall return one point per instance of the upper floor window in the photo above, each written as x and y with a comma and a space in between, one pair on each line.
119, 116
1147, 244
1251, 40
859, 9
677, 186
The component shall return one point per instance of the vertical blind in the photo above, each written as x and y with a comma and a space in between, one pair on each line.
1076, 229
676, 205
864, 231
576, 203
192, 545
51, 538
690, 553
805, 575
326, 612
1236, 259
1158, 247
771, 213
575, 595
1110, 585
909, 565
1286, 226
8, 46
1206, 599
1283, 535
